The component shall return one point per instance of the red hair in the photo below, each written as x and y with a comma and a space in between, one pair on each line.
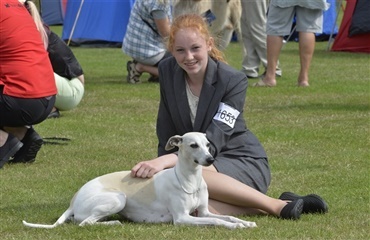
197, 23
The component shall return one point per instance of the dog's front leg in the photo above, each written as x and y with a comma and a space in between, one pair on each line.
204, 213
205, 221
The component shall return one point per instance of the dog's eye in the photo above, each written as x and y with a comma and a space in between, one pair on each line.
194, 145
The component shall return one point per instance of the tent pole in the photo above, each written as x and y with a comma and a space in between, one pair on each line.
74, 24
335, 23
40, 8
291, 33
285, 41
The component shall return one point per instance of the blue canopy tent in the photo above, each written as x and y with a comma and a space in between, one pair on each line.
52, 11
329, 26
96, 22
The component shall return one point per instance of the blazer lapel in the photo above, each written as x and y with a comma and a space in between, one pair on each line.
205, 108
182, 99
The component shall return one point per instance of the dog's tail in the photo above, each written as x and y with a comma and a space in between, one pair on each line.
62, 219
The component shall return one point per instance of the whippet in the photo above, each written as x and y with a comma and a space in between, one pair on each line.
171, 195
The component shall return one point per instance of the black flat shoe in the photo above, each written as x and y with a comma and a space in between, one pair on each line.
292, 210
32, 143
312, 203
11, 146
54, 114
153, 79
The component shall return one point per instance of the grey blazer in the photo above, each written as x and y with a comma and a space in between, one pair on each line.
222, 84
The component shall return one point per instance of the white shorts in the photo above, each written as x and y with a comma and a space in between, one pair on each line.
70, 92
280, 20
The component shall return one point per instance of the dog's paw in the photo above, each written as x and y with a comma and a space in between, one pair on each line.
249, 224
245, 225
235, 225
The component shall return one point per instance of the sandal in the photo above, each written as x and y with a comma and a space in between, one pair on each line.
261, 83
133, 75
303, 84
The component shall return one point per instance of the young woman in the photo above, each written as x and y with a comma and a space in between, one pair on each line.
200, 92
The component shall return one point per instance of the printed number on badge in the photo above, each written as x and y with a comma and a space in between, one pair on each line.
226, 114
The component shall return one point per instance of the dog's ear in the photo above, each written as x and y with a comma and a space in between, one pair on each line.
173, 142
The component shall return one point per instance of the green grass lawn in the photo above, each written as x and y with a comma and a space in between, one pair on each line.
317, 140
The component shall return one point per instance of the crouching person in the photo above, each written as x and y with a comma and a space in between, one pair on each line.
27, 85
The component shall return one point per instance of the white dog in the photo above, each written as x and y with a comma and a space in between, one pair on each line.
170, 195
227, 12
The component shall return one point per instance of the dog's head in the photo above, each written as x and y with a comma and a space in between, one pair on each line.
193, 145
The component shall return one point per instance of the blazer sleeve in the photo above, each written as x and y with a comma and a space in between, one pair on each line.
165, 127
232, 85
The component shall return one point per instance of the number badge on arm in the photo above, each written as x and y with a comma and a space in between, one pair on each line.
226, 114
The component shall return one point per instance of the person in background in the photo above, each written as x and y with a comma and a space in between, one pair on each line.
200, 92
68, 73
253, 25
147, 28
309, 20
27, 86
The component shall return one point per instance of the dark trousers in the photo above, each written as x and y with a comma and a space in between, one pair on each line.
17, 112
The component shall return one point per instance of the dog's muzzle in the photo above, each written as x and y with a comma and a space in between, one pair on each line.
210, 161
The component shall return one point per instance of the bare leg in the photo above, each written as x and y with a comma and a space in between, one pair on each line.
18, 132
82, 78
153, 70
274, 45
237, 198
306, 50
3, 137
222, 208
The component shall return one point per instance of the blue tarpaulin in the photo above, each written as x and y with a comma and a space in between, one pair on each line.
52, 11
89, 21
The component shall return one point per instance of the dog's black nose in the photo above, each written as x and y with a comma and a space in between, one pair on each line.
210, 160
